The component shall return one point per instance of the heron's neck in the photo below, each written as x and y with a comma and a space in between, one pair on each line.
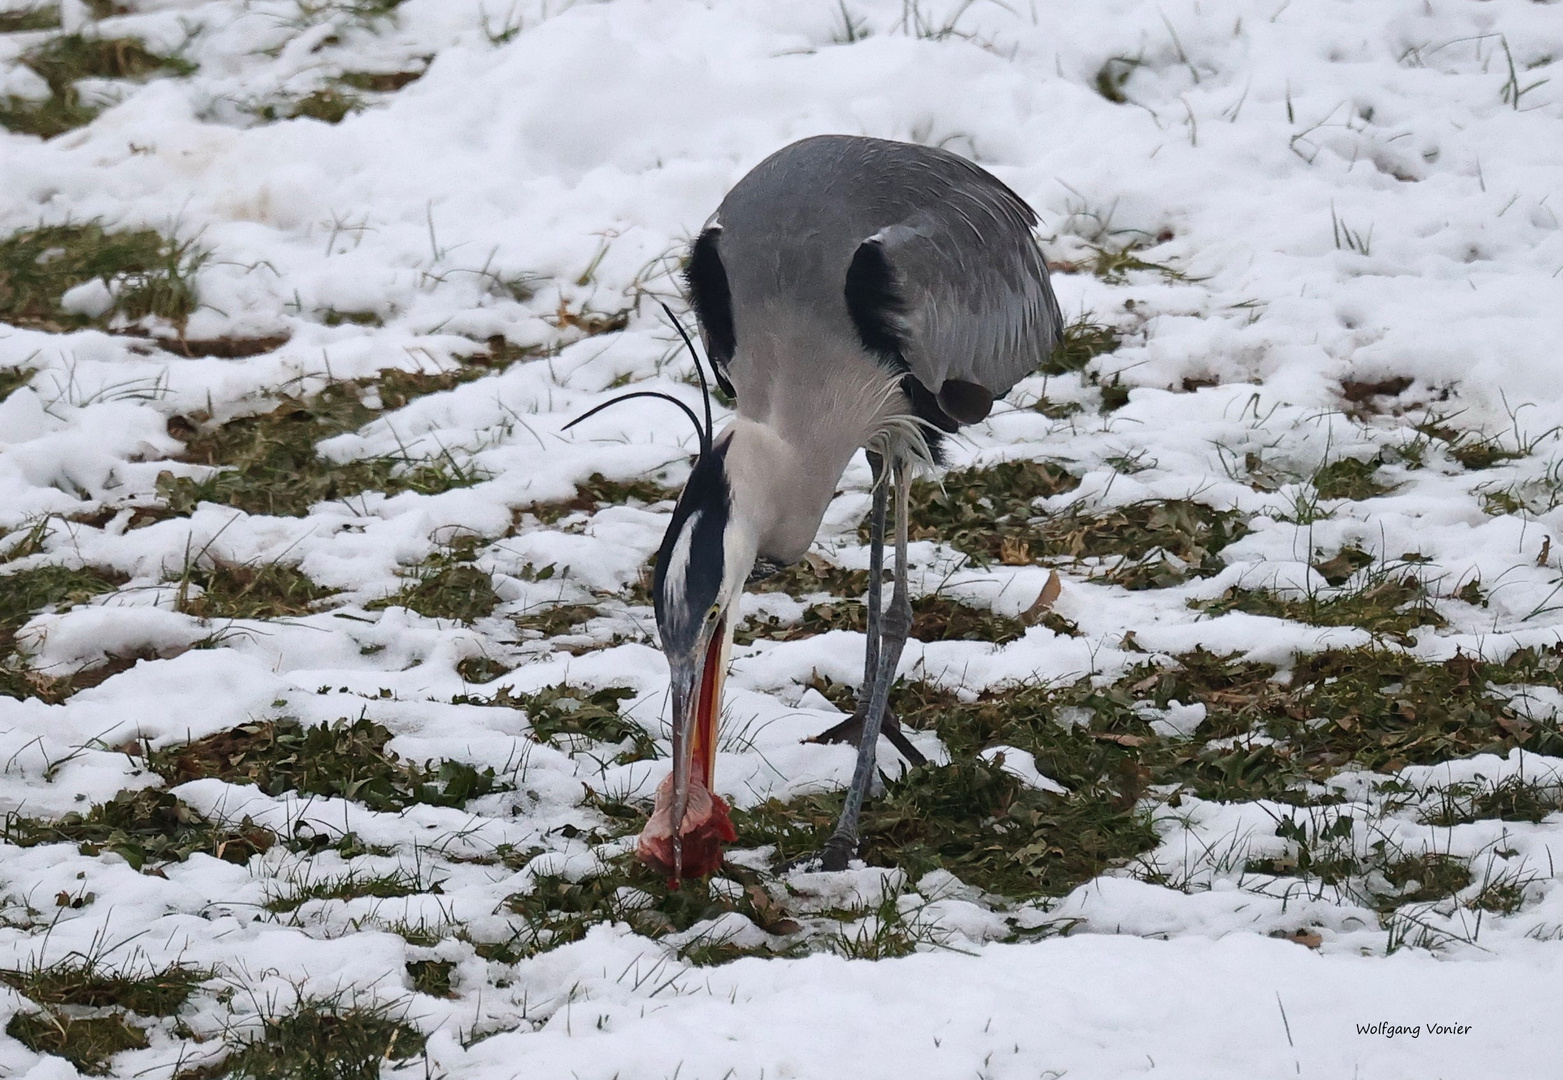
781, 488
808, 397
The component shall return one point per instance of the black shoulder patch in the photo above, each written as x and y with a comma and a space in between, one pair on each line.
706, 278
926, 407
874, 302
965, 401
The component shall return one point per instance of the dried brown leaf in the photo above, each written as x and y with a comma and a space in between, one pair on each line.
1045, 599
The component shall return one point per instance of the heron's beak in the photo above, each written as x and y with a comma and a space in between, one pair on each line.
697, 705
687, 842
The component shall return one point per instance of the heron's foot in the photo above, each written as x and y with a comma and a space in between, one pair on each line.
850, 731
838, 852
811, 863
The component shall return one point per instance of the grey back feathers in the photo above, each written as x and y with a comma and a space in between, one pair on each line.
918, 256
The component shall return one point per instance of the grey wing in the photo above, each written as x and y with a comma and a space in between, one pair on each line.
962, 287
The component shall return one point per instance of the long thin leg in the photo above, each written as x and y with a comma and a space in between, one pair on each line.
876, 574
850, 730
894, 628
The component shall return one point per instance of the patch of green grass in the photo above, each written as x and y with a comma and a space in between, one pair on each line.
1320, 849
1115, 394
87, 1042
363, 10
976, 819
28, 592
26, 541
1112, 75
17, 679
26, 19
1113, 265
149, 275
1514, 798
333, 317
432, 977
224, 590
557, 911
378, 82
884, 931
441, 589
982, 824
1483, 453
325, 1039
269, 461
346, 845
1390, 601
1148, 545
1349, 478
1531, 496
347, 760
338, 99
146, 826
598, 491
1503, 896
1081, 342
1377, 710
1374, 709
78, 981
934, 618
1421, 878
481, 669
988, 512
422, 934
566, 712
64, 60
69, 57
1056, 410
1476, 451
1339, 568
796, 829
812, 575
329, 104
551, 620
46, 117
1319, 846
973, 818
13, 379
351, 886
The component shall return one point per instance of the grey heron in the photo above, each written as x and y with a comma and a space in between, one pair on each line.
852, 293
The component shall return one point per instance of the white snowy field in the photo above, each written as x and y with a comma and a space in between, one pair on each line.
1282, 762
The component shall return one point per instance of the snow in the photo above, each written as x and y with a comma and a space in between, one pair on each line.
1348, 194
1091, 1006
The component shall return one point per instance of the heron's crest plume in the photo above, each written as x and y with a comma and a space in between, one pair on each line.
703, 430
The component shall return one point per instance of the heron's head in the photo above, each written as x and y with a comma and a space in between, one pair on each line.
705, 558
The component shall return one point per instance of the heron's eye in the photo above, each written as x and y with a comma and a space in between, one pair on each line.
713, 613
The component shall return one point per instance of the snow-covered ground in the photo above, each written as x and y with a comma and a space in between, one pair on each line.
1353, 215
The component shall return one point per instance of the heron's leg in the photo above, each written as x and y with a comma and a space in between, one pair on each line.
876, 574
850, 730
894, 628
